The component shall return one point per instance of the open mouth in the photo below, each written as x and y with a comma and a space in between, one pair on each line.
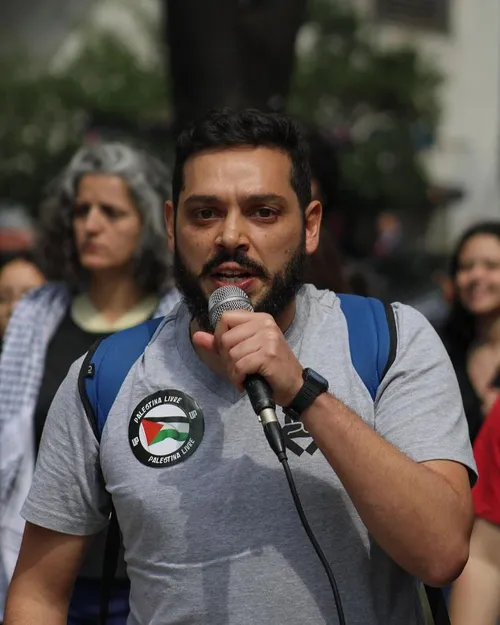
232, 276
232, 273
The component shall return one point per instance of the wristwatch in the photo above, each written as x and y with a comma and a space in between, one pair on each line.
314, 385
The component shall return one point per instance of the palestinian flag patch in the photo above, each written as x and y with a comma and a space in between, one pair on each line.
166, 428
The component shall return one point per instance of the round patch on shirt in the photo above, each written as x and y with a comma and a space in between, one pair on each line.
166, 428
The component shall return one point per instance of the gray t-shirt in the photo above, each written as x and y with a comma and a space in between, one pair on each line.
210, 531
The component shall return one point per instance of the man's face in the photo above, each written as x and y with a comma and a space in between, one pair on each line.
239, 222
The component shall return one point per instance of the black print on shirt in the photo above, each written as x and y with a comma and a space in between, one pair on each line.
297, 438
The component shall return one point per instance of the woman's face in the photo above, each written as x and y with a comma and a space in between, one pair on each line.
477, 281
106, 224
17, 277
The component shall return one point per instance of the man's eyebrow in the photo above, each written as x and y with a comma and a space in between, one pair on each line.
263, 198
251, 198
202, 199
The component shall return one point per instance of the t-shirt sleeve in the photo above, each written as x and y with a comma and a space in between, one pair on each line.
68, 494
418, 407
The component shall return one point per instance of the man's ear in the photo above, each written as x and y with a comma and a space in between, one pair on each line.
312, 220
170, 224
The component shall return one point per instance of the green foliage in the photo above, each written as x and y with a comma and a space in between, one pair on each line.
380, 99
383, 101
43, 116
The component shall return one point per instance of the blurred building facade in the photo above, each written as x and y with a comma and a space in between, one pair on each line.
52, 31
463, 39
129, 20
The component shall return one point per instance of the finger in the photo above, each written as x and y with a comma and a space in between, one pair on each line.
236, 317
237, 325
251, 363
243, 349
232, 337
232, 318
205, 341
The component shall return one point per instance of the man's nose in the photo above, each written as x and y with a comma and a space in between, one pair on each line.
233, 232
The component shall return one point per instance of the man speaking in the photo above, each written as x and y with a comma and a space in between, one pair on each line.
210, 530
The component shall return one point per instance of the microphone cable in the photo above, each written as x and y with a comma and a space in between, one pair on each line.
274, 435
231, 297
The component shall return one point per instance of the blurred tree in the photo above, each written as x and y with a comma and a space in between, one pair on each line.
44, 116
380, 105
231, 53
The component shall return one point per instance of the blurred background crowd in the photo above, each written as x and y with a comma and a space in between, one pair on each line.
400, 101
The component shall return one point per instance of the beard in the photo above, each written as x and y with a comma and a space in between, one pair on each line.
283, 286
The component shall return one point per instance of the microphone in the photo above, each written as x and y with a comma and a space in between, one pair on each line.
259, 392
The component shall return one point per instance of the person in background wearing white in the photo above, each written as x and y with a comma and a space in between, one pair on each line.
103, 244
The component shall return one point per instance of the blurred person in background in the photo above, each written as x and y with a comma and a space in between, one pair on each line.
475, 597
471, 332
103, 242
389, 234
17, 277
17, 230
325, 268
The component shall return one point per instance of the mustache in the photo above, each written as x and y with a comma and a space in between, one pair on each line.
238, 257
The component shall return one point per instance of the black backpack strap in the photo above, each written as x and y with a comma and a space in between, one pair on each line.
437, 605
393, 338
111, 552
87, 370
113, 536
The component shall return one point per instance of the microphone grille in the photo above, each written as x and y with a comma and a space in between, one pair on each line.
224, 299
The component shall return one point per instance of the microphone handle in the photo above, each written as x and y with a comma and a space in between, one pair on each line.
259, 392
260, 395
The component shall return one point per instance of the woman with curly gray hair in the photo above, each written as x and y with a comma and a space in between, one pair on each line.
104, 251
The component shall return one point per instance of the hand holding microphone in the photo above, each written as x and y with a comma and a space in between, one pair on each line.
250, 343
255, 354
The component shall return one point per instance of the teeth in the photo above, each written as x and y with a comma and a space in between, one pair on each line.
231, 277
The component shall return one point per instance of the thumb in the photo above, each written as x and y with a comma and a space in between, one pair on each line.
204, 341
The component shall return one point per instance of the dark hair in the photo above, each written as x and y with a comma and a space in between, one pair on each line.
147, 180
28, 256
224, 128
324, 269
324, 159
459, 329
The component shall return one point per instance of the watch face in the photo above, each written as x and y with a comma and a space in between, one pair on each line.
316, 379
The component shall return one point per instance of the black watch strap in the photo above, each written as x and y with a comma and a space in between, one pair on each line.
314, 385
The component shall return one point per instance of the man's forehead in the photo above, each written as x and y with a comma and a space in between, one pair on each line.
247, 169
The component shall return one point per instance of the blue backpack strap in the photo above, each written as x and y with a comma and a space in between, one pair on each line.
106, 366
101, 376
372, 338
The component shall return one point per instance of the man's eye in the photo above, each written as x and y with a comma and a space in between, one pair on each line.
205, 213
265, 213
